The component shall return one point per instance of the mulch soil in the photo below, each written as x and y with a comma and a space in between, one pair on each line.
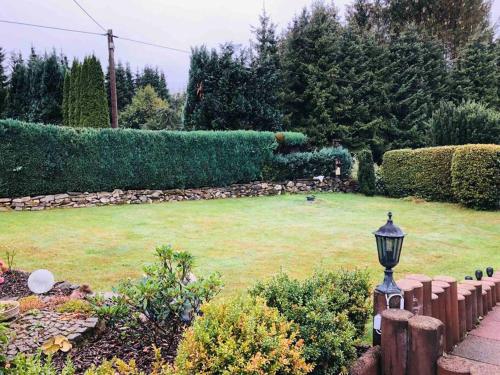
115, 342
16, 286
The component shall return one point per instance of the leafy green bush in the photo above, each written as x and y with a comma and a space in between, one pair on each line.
168, 296
476, 176
366, 172
466, 123
331, 309
424, 172
241, 336
23, 364
4, 340
47, 159
308, 164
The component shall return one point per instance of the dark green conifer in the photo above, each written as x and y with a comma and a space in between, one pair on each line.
92, 103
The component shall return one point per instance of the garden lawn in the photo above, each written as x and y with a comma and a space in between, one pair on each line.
251, 238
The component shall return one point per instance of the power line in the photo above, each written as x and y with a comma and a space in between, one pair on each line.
51, 27
88, 14
153, 44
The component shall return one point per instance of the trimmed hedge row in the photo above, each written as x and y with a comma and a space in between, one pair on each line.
47, 159
468, 174
424, 172
475, 174
308, 164
41, 159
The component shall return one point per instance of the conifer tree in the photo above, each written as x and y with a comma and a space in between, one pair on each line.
17, 95
52, 82
3, 83
266, 77
74, 95
156, 79
66, 99
476, 75
34, 84
310, 91
92, 103
418, 82
124, 86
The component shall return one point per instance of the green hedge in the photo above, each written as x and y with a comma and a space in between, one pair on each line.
46, 159
424, 172
308, 164
476, 176
466, 123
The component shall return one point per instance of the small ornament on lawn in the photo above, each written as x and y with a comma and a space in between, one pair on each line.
55, 344
41, 281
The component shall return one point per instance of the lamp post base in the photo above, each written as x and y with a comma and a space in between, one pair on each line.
389, 285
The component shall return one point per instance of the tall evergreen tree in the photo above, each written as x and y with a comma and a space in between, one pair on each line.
310, 91
34, 82
74, 106
3, 83
66, 99
17, 96
265, 82
93, 102
418, 82
476, 75
154, 78
124, 86
52, 83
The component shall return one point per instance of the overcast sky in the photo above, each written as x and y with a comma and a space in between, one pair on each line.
175, 23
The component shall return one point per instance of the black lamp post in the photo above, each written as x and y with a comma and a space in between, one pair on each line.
389, 243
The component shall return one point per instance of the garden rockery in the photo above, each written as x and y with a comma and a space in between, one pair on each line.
117, 196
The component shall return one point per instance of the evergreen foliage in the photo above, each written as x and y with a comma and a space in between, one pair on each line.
265, 80
3, 83
145, 110
17, 99
475, 174
125, 86
466, 123
92, 101
66, 99
366, 172
476, 74
154, 78
418, 80
48, 159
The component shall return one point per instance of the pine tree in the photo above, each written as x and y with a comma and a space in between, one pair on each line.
154, 78
34, 84
66, 99
310, 91
418, 82
124, 86
93, 104
366, 172
52, 83
3, 83
196, 115
17, 95
74, 105
476, 75
265, 83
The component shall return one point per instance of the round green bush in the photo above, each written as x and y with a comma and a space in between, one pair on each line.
241, 336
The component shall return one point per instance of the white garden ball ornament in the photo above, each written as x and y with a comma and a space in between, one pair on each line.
41, 281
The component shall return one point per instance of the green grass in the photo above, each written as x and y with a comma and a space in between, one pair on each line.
251, 238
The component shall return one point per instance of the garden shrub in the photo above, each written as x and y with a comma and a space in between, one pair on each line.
308, 164
241, 336
366, 172
465, 123
476, 176
4, 340
169, 296
37, 159
424, 172
24, 364
331, 309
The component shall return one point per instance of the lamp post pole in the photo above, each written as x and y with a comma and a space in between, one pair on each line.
112, 80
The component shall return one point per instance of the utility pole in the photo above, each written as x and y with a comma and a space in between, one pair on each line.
112, 80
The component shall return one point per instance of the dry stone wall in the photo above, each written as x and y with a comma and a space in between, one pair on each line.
79, 199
